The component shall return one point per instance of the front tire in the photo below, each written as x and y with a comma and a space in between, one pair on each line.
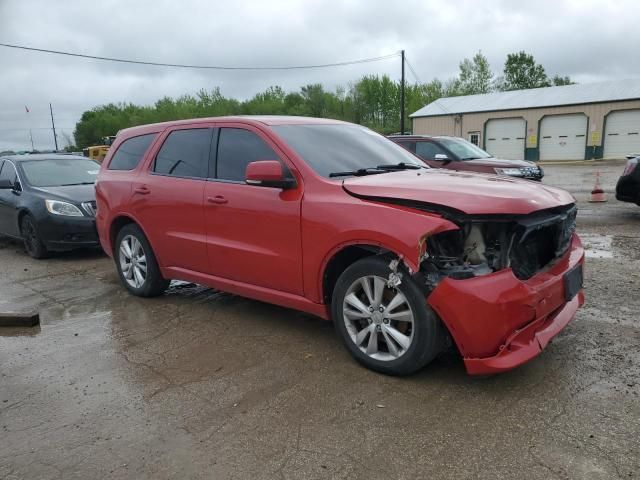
390, 330
136, 263
33, 244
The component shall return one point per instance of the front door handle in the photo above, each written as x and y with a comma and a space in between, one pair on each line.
218, 199
142, 190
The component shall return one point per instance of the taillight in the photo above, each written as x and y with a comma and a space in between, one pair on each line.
631, 165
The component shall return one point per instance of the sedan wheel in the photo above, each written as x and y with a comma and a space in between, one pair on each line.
32, 243
133, 261
379, 319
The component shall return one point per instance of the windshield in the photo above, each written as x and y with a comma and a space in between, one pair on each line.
462, 149
60, 171
344, 147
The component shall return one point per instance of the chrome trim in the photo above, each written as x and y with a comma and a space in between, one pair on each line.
90, 208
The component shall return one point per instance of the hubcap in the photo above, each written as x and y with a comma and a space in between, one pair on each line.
379, 319
133, 261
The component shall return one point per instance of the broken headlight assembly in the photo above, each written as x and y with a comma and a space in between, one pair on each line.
526, 244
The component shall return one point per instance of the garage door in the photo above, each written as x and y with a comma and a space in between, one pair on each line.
563, 137
505, 138
622, 134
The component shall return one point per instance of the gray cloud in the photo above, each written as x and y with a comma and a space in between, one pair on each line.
587, 40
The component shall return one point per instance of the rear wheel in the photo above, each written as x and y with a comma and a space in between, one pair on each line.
389, 329
137, 264
33, 244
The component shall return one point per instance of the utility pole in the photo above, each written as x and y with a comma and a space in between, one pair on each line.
402, 97
53, 124
31, 137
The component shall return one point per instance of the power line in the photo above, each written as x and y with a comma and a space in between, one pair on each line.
34, 128
200, 67
412, 70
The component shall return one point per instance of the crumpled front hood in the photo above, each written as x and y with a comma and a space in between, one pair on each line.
468, 192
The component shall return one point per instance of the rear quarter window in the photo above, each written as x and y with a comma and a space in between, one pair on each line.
130, 152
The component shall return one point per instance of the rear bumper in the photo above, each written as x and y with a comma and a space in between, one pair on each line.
500, 322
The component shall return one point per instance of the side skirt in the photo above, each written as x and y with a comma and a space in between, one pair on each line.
263, 294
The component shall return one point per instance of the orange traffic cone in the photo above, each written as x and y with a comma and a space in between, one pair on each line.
597, 194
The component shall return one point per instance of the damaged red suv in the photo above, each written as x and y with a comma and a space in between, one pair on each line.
335, 220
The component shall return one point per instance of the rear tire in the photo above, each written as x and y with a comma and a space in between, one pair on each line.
33, 244
136, 263
408, 333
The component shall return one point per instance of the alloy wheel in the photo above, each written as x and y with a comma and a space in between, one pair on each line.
378, 318
133, 261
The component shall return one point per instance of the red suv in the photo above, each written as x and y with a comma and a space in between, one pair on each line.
335, 220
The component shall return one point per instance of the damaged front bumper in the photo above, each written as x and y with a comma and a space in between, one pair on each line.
499, 321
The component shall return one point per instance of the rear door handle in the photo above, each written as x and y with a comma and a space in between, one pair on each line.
142, 190
218, 199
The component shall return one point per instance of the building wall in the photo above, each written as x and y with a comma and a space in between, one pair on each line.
461, 125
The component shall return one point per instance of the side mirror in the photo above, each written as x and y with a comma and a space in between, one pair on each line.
267, 173
5, 184
441, 157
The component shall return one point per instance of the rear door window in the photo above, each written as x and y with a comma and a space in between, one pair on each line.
185, 153
428, 150
411, 146
130, 152
236, 149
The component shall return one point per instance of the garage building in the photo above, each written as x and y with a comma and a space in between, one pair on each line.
572, 122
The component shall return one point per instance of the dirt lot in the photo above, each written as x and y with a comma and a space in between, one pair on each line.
201, 384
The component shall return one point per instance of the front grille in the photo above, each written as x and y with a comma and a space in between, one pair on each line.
540, 240
90, 208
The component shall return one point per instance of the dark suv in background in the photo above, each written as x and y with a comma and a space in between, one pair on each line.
628, 186
455, 153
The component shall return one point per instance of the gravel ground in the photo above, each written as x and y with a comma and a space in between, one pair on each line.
201, 384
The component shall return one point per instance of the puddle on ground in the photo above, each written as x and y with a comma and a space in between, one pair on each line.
597, 246
611, 246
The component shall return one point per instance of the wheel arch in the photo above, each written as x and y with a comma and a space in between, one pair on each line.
343, 257
118, 223
22, 212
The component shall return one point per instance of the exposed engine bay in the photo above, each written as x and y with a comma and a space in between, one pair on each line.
482, 245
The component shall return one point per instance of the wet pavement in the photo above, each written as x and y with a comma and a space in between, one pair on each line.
202, 384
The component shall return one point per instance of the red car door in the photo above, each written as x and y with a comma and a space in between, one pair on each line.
167, 197
253, 232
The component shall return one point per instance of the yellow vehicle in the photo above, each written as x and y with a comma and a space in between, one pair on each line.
98, 152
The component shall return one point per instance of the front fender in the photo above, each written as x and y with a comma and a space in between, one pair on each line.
400, 230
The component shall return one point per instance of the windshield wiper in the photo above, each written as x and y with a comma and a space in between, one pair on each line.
359, 172
73, 184
401, 166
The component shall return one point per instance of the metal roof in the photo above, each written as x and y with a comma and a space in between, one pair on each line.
534, 98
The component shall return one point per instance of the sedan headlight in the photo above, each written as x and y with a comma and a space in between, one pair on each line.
512, 172
58, 207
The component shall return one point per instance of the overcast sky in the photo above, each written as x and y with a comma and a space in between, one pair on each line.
588, 40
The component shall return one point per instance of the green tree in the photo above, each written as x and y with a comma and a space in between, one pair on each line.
557, 81
522, 72
475, 75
